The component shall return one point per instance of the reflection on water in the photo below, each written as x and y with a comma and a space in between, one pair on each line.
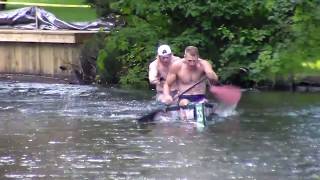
50, 131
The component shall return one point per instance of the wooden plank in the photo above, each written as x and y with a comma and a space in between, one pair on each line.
47, 59
5, 61
36, 64
45, 36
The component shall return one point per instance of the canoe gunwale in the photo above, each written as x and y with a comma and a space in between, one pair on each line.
189, 106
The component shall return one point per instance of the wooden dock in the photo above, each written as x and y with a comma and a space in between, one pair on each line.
41, 52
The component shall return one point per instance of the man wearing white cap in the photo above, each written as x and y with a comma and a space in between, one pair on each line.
159, 68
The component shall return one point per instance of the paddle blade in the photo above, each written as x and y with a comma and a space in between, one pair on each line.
227, 94
150, 116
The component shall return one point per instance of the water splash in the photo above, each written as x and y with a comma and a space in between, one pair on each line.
223, 110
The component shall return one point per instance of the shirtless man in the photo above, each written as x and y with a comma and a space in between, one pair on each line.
159, 68
186, 73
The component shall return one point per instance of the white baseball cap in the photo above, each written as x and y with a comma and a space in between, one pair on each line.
164, 50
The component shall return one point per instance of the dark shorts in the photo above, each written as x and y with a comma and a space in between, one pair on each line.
193, 98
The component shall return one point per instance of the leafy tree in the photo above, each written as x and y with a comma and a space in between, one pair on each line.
102, 6
302, 53
257, 35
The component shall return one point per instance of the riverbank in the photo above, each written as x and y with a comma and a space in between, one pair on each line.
308, 84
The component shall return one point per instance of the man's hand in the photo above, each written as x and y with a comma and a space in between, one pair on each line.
213, 82
159, 81
162, 79
166, 99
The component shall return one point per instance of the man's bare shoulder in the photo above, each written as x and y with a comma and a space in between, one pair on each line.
175, 58
176, 65
205, 62
153, 63
178, 62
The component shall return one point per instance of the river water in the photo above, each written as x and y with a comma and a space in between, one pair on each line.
55, 131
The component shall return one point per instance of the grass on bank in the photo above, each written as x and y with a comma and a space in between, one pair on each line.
74, 14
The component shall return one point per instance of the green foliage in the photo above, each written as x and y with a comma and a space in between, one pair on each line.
109, 66
260, 35
102, 7
265, 67
128, 46
134, 79
302, 53
88, 57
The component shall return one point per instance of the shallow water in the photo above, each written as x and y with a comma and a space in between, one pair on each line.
51, 131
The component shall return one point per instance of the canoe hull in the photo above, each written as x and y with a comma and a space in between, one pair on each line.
199, 112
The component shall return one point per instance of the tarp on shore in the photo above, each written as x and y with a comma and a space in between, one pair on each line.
38, 18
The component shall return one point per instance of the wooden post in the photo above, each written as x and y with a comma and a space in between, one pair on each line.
36, 18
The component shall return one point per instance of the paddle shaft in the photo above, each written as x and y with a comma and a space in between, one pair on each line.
200, 81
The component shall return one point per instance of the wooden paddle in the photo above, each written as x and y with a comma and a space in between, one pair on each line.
151, 115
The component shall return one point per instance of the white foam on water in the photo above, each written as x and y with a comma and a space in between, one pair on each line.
47, 89
223, 110
123, 116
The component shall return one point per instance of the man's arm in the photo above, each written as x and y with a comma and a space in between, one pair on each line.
171, 78
153, 73
168, 83
211, 75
